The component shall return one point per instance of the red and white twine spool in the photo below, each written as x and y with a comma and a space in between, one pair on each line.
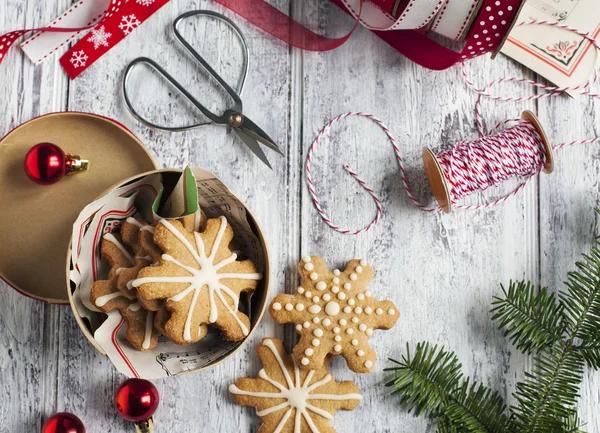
473, 166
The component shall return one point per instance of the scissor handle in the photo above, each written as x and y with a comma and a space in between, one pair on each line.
213, 118
234, 95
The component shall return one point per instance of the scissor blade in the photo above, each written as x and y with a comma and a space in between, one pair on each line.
252, 129
253, 146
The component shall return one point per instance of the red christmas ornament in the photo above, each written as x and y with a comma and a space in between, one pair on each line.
63, 422
46, 163
137, 400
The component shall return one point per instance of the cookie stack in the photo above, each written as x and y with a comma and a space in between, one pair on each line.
334, 313
174, 278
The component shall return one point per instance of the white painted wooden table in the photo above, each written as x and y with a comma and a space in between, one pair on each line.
441, 270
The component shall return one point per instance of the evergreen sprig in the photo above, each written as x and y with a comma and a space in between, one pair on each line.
430, 381
561, 332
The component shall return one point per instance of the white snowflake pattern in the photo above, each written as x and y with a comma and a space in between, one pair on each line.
129, 23
145, 2
79, 59
99, 37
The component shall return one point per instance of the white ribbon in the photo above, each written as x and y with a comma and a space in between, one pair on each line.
449, 17
43, 44
453, 19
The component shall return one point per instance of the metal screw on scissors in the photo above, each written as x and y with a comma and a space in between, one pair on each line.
245, 129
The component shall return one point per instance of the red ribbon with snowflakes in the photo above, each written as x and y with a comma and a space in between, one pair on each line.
107, 34
117, 22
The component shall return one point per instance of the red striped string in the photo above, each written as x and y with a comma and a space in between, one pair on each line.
473, 166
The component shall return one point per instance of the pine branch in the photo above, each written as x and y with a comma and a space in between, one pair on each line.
426, 380
548, 394
444, 426
572, 424
582, 300
430, 382
530, 321
476, 408
590, 354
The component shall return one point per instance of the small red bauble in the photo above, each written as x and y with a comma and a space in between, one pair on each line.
46, 163
63, 422
136, 400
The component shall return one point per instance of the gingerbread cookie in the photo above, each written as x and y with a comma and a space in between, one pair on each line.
200, 280
107, 297
291, 400
334, 313
130, 231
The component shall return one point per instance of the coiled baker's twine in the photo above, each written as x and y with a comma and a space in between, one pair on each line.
472, 166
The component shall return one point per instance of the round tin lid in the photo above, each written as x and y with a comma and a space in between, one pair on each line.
36, 221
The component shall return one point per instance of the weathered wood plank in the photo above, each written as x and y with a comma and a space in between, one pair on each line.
568, 197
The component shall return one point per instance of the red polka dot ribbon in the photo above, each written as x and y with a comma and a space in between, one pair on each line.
118, 20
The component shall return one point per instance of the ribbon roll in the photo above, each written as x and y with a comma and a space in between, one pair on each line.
490, 28
455, 17
416, 14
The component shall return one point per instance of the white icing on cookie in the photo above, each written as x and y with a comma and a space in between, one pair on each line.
148, 229
314, 309
276, 306
101, 301
134, 222
197, 220
112, 239
332, 309
206, 276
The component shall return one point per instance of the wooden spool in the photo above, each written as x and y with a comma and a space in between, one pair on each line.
439, 183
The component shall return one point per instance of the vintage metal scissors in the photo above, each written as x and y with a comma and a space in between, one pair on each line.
233, 117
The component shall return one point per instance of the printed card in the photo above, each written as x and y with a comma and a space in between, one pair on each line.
561, 56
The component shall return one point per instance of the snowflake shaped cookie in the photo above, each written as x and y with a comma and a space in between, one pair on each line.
200, 279
106, 295
334, 313
291, 400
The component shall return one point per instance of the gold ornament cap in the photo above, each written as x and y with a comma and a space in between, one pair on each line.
75, 164
145, 426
